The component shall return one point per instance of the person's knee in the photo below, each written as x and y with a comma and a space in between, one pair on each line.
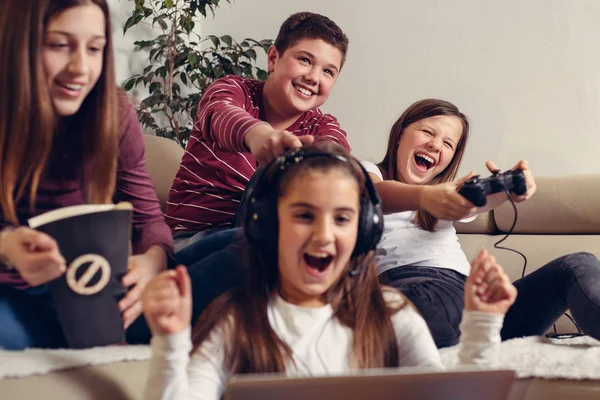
13, 340
206, 246
13, 335
578, 263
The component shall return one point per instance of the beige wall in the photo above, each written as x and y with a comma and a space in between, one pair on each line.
526, 72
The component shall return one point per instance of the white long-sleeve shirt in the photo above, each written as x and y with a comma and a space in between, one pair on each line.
320, 345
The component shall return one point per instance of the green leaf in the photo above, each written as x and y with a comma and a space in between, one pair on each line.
163, 24
162, 72
250, 53
144, 43
262, 75
154, 86
183, 78
128, 24
214, 39
227, 39
168, 3
193, 58
129, 84
189, 25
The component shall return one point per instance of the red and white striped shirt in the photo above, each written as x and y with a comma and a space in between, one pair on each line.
216, 166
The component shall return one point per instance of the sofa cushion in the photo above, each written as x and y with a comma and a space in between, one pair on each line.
561, 205
162, 163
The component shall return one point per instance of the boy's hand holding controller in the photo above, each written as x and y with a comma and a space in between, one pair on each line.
167, 302
488, 288
33, 254
266, 143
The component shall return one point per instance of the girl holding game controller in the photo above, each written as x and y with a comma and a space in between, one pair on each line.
67, 137
419, 253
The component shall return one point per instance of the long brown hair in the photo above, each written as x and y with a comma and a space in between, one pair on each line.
420, 110
28, 121
252, 346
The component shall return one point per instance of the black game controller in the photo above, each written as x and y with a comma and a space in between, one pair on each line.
476, 189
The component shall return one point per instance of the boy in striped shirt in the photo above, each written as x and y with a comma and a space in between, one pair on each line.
243, 123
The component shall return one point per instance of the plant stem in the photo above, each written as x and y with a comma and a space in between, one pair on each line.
172, 44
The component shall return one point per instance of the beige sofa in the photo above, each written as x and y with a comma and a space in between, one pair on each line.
563, 217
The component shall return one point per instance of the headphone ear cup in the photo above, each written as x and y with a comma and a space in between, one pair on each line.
260, 223
370, 226
363, 227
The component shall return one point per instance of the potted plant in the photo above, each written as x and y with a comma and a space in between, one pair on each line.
182, 63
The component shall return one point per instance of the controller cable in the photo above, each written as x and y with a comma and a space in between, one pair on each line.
554, 335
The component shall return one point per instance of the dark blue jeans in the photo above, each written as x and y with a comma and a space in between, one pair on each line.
216, 264
438, 294
569, 282
28, 318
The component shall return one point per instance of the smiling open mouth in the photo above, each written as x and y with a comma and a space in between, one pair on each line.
320, 263
303, 90
70, 86
424, 161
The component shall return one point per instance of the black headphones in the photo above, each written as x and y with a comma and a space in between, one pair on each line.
259, 206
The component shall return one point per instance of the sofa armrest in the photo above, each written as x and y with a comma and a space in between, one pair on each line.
483, 224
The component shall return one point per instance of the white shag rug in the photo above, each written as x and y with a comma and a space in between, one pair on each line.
538, 357
576, 358
28, 362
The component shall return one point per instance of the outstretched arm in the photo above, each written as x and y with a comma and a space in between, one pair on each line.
442, 200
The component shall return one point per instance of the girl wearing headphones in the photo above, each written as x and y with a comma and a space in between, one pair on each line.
67, 137
420, 255
312, 304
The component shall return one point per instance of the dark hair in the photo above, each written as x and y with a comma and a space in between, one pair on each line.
28, 121
307, 25
254, 347
420, 110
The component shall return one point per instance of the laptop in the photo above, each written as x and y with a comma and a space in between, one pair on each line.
396, 384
